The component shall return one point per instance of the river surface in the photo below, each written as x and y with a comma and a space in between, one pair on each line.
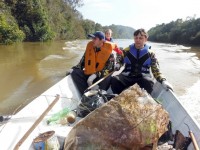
28, 69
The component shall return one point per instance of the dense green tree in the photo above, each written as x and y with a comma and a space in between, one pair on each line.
74, 3
33, 20
179, 31
98, 27
121, 32
65, 21
43, 20
9, 30
89, 26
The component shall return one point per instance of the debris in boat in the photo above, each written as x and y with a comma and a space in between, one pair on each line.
45, 141
165, 146
131, 120
69, 118
91, 100
55, 118
181, 142
167, 136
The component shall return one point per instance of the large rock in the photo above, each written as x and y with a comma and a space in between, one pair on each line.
129, 121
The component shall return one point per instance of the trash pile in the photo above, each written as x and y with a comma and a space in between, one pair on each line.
131, 120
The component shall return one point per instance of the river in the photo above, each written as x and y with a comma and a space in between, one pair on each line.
28, 69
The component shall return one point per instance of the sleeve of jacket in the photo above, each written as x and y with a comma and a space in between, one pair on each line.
109, 66
155, 68
120, 57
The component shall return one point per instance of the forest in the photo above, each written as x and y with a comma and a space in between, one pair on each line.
46, 20
179, 32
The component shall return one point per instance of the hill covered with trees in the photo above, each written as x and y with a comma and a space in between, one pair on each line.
43, 20
179, 32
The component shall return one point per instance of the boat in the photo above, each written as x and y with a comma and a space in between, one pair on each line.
12, 131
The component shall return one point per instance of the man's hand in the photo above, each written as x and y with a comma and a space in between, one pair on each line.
167, 85
117, 67
91, 79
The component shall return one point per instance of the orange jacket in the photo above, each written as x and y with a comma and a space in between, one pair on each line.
96, 61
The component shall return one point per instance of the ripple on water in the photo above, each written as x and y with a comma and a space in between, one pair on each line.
191, 100
50, 57
52, 65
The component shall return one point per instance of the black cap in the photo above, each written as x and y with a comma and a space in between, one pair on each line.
97, 34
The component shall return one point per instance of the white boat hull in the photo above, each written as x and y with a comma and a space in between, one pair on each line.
178, 114
18, 125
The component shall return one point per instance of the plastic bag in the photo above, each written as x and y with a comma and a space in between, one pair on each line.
91, 100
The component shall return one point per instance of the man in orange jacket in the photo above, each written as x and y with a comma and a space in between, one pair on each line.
97, 61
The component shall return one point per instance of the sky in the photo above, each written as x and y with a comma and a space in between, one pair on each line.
139, 13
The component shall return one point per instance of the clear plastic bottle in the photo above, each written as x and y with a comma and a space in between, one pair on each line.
54, 119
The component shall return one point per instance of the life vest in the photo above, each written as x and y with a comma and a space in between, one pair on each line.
111, 40
137, 61
96, 61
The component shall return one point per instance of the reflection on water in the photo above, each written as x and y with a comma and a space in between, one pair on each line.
28, 69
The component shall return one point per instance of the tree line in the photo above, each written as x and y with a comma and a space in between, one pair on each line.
179, 32
44, 20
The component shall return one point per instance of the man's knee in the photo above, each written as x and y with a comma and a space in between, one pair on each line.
147, 84
77, 73
114, 81
116, 85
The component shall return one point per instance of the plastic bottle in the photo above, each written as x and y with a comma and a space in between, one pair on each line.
57, 116
69, 118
